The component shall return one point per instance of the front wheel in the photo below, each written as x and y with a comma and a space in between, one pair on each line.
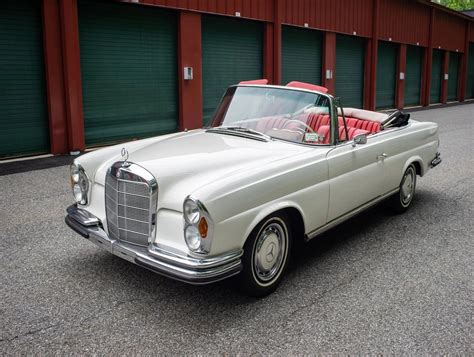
401, 202
266, 255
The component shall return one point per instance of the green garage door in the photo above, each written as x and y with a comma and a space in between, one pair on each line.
349, 74
453, 76
386, 75
413, 75
300, 55
23, 116
470, 73
129, 71
231, 52
436, 76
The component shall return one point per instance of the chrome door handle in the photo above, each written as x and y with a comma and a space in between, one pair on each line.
382, 156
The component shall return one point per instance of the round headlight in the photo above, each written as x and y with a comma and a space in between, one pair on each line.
75, 173
79, 183
193, 238
78, 193
192, 213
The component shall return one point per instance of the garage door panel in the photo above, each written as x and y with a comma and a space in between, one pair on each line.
23, 120
413, 75
436, 68
453, 76
301, 55
232, 51
386, 75
350, 53
129, 71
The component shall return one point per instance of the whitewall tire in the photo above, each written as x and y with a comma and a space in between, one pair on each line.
401, 201
266, 256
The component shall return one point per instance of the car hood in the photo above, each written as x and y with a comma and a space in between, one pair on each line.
184, 162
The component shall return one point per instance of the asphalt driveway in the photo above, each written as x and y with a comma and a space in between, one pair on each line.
379, 283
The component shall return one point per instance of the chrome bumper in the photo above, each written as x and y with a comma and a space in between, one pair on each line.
162, 261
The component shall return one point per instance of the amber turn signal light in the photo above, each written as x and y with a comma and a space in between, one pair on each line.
203, 227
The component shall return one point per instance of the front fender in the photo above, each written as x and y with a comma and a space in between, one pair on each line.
232, 233
273, 207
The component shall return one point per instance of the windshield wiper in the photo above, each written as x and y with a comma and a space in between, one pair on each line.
241, 129
246, 130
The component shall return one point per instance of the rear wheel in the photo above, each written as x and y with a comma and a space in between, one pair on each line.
401, 202
266, 255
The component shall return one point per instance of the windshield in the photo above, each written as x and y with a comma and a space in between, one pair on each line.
292, 115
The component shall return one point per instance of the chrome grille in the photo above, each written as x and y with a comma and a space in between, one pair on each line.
130, 202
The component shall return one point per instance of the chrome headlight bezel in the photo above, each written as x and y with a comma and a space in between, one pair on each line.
79, 184
193, 218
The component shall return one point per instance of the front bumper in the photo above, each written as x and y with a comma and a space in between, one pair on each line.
157, 259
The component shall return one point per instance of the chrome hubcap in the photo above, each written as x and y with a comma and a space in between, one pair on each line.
408, 186
269, 251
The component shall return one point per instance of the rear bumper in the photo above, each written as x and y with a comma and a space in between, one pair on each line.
157, 259
436, 161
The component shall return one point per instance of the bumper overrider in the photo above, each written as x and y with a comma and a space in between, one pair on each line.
436, 161
174, 265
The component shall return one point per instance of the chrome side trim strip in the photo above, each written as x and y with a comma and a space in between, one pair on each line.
348, 215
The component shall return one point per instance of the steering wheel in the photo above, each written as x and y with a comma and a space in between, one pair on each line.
298, 122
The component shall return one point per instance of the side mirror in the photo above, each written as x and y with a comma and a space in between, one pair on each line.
359, 139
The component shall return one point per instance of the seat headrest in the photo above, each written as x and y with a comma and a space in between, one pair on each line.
303, 85
255, 81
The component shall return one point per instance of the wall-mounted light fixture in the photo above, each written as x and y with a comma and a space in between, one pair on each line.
188, 73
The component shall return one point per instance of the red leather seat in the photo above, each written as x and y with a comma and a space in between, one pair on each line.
371, 126
317, 120
323, 131
351, 133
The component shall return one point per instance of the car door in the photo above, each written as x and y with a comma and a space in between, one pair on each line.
356, 175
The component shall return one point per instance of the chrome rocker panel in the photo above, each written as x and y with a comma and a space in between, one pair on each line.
180, 267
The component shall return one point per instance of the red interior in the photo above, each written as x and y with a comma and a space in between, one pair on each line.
319, 123
323, 132
266, 124
315, 121
371, 126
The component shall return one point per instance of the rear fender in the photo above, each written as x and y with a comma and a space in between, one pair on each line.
414, 159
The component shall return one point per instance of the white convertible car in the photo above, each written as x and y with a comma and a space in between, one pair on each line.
278, 164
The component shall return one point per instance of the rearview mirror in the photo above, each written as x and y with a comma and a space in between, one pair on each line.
359, 139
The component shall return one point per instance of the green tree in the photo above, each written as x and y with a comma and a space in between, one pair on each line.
458, 5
